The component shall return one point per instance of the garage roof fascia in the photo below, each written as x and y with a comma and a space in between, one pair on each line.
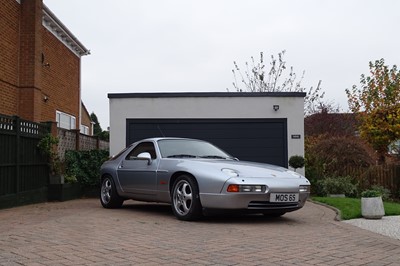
205, 94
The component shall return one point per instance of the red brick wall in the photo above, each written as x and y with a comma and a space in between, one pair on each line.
60, 80
24, 82
9, 54
86, 120
30, 65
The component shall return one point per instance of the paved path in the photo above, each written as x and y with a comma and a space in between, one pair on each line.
81, 232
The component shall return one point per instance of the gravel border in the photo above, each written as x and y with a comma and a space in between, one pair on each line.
387, 226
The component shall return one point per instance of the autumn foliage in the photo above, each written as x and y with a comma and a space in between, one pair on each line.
377, 103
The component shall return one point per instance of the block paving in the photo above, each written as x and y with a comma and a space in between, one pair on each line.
81, 232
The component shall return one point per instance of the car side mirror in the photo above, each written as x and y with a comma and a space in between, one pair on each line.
145, 156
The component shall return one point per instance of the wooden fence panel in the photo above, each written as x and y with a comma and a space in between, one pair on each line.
387, 176
23, 169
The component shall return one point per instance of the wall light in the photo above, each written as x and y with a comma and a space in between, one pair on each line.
276, 107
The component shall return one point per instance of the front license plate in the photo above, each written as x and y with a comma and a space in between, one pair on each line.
284, 197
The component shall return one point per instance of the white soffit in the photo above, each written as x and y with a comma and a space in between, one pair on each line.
58, 29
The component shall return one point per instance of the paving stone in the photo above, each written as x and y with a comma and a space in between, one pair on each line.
81, 232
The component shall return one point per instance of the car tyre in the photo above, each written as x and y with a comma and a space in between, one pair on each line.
185, 199
109, 197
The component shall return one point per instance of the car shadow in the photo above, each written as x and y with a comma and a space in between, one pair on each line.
165, 211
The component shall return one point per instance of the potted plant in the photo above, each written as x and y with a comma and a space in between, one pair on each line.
372, 204
296, 161
61, 187
47, 147
70, 189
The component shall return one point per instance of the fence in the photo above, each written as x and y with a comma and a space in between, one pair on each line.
387, 175
23, 169
74, 140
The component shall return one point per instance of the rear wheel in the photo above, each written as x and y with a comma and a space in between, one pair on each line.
109, 197
186, 203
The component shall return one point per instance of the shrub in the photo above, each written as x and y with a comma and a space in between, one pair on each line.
334, 156
338, 185
296, 161
47, 147
370, 193
70, 179
384, 192
85, 165
317, 188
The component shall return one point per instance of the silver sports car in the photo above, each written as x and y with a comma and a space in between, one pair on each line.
195, 176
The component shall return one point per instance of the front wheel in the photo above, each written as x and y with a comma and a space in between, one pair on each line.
186, 203
109, 197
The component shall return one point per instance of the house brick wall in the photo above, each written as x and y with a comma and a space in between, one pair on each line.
60, 79
30, 65
38, 73
86, 120
9, 54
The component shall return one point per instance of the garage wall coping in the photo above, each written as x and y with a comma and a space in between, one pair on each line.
205, 94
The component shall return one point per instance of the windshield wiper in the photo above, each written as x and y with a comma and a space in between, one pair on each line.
182, 156
213, 157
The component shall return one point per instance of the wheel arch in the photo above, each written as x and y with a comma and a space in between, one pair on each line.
104, 175
178, 174
116, 181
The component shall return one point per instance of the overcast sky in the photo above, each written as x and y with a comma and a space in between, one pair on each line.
190, 46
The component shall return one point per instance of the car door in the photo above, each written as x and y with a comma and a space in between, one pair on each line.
138, 175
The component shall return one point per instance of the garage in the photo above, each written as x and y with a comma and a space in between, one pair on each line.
261, 127
259, 140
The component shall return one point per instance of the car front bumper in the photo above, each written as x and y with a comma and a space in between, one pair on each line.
249, 201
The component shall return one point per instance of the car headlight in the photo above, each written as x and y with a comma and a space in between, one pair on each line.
246, 188
304, 188
230, 172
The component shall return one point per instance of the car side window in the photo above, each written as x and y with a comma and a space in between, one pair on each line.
142, 147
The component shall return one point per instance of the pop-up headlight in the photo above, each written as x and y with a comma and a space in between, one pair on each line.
230, 172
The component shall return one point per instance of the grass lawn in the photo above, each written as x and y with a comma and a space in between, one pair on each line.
350, 208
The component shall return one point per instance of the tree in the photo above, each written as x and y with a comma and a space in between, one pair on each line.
257, 79
377, 103
336, 155
330, 124
96, 127
97, 130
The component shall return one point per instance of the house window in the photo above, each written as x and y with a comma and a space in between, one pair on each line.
65, 120
85, 130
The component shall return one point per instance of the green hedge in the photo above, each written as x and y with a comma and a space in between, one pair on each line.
85, 166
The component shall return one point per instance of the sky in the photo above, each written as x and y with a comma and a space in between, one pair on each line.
190, 46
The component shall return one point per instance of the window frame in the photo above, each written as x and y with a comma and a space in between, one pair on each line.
63, 124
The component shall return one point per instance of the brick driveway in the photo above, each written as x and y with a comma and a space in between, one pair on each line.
81, 232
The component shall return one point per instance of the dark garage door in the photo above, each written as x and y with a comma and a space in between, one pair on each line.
259, 140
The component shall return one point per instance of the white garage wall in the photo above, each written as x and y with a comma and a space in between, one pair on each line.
196, 105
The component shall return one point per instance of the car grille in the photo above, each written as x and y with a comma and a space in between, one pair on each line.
271, 205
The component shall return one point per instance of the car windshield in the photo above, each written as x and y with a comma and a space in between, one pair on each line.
186, 148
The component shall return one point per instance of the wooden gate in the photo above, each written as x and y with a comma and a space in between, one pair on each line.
23, 169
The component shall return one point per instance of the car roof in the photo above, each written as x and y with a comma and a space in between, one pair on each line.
164, 138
